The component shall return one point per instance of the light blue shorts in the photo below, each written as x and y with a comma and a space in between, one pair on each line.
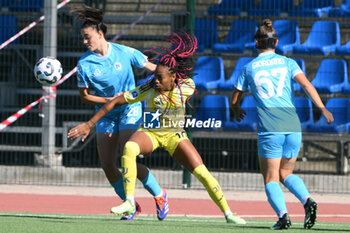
279, 145
129, 119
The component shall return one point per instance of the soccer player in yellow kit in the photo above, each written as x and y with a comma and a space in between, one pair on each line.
165, 96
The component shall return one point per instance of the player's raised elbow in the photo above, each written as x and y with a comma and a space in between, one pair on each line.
118, 101
84, 100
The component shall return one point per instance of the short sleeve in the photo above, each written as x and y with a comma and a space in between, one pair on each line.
138, 94
242, 81
136, 57
294, 68
188, 87
82, 81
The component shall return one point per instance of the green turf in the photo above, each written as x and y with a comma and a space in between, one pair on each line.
29, 222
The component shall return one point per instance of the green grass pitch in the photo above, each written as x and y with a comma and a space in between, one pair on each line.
62, 223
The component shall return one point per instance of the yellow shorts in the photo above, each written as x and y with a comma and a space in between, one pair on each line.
169, 141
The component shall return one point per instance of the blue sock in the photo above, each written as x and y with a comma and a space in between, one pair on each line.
297, 187
119, 188
275, 197
150, 183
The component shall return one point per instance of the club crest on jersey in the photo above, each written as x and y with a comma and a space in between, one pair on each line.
158, 102
117, 66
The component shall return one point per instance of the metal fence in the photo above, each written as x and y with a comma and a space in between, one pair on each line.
230, 154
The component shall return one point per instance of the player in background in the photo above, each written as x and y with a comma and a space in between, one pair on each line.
104, 71
165, 96
270, 78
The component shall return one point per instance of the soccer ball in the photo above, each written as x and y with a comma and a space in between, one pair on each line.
48, 71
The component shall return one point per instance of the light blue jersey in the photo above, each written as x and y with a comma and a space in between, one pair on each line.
110, 74
270, 78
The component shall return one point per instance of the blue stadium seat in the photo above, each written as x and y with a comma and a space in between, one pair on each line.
323, 39
250, 121
213, 106
343, 50
340, 109
303, 106
312, 8
229, 84
346, 89
210, 72
8, 27
271, 8
301, 64
342, 11
239, 37
206, 31
331, 76
288, 35
229, 7
26, 5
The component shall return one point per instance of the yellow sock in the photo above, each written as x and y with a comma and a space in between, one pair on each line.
131, 151
212, 186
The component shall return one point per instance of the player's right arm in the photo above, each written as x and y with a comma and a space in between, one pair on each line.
240, 86
87, 98
83, 83
235, 104
84, 129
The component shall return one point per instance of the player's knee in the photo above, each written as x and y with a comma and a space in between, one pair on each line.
131, 149
108, 167
284, 175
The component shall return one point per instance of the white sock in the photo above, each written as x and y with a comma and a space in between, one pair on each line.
227, 213
160, 194
131, 198
280, 214
304, 200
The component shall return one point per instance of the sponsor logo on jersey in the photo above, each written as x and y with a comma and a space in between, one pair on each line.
132, 121
134, 94
97, 73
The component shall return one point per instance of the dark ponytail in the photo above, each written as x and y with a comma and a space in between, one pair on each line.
93, 18
266, 35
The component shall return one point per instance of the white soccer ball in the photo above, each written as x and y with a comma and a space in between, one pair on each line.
48, 71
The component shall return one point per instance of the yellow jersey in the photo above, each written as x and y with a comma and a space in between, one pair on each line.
166, 108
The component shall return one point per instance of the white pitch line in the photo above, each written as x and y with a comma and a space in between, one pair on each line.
152, 217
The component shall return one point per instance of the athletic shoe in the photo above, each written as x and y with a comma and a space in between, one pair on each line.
162, 205
233, 218
282, 223
310, 213
126, 208
131, 216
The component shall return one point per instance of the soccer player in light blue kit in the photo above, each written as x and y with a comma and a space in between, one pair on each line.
106, 69
270, 78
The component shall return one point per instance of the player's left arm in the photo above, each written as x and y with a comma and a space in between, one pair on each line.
150, 66
314, 96
84, 129
138, 59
